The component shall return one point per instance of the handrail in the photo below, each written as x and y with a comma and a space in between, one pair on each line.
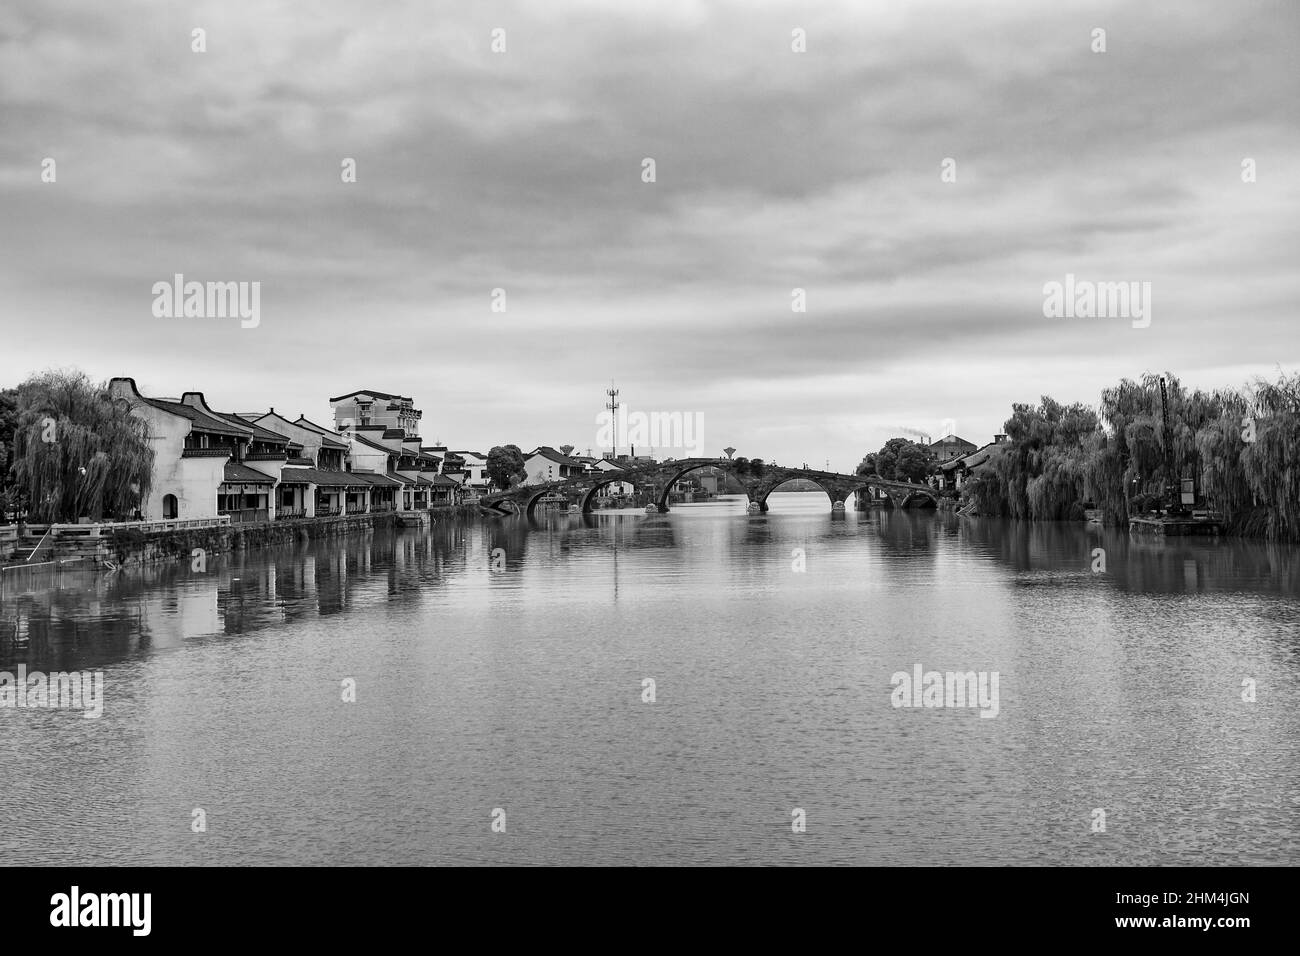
48, 532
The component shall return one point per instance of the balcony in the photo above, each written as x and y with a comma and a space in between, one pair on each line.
324, 512
283, 513
206, 452
356, 509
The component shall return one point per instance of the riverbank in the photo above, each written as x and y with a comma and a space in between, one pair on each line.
112, 546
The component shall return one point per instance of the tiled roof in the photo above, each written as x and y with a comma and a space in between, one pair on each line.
546, 451
411, 478
200, 420
980, 456
375, 478
314, 476
444, 480
242, 474
976, 458
373, 444
331, 438
259, 433
368, 391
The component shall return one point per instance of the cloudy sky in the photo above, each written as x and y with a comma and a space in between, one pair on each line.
774, 170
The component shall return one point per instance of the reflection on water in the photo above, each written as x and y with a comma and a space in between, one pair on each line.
521, 688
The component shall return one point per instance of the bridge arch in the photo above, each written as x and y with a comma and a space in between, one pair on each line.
608, 478
534, 497
899, 493
767, 489
688, 466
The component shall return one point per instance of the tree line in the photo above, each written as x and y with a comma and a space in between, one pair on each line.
1240, 446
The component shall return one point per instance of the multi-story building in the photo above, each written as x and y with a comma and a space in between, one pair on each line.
370, 408
949, 447
474, 464
260, 466
206, 463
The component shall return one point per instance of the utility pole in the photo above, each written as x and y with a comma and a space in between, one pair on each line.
613, 405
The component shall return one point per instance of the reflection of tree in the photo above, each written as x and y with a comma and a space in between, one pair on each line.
903, 531
1170, 565
74, 627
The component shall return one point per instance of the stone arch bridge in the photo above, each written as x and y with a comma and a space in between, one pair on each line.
655, 482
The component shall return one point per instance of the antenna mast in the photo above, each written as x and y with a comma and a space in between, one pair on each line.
613, 405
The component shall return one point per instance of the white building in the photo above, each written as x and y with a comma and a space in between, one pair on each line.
545, 464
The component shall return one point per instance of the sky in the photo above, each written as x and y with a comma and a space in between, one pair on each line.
523, 170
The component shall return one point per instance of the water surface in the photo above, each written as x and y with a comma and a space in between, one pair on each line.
522, 689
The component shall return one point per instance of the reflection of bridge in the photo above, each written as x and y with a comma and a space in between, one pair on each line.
655, 481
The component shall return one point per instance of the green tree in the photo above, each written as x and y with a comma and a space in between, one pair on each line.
1252, 459
899, 459
1044, 467
505, 466
913, 463
78, 453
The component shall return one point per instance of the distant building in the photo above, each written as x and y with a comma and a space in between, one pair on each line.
950, 446
545, 464
614, 487
953, 473
368, 407
475, 468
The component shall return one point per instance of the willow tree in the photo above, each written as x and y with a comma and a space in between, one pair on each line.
1271, 462
77, 452
1044, 467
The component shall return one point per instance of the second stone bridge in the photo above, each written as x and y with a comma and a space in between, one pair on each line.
656, 481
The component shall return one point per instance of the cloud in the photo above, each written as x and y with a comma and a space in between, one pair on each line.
775, 170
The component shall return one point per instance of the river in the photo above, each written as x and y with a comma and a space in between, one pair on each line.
499, 672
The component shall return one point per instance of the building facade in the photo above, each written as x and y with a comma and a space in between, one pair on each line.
372, 408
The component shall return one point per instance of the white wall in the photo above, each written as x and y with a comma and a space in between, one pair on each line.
194, 481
